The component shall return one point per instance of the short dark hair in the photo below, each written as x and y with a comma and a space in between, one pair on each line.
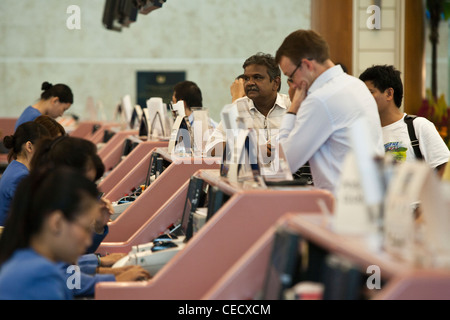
190, 93
384, 77
28, 131
265, 59
74, 152
61, 91
53, 126
304, 44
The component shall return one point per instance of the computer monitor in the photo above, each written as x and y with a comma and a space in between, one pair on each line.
130, 143
127, 108
283, 263
195, 198
181, 139
136, 117
216, 199
156, 121
151, 169
249, 162
107, 135
342, 279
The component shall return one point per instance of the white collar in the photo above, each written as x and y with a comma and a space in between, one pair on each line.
325, 77
278, 102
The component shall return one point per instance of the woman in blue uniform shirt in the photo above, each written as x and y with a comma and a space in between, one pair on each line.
21, 145
54, 101
53, 225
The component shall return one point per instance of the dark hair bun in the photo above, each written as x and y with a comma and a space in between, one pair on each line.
46, 85
8, 142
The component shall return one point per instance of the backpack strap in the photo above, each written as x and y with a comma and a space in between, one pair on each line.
412, 136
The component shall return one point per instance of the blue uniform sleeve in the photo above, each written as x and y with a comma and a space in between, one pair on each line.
29, 114
88, 282
88, 263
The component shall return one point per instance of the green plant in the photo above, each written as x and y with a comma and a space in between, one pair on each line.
433, 107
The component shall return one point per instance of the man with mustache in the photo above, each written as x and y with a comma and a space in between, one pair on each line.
262, 106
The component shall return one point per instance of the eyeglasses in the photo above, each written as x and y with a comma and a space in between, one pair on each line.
89, 229
293, 72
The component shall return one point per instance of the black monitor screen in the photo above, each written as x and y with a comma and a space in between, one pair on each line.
216, 199
283, 264
342, 279
151, 168
129, 146
195, 198
157, 125
107, 135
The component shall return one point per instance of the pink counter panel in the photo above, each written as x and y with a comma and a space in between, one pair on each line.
6, 129
7, 126
245, 279
130, 172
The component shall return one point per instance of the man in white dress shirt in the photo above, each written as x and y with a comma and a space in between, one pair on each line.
262, 103
327, 102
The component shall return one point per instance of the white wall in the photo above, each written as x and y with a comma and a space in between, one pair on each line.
378, 46
209, 39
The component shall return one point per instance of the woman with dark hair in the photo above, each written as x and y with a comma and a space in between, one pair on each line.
54, 101
81, 155
54, 225
53, 126
22, 146
77, 153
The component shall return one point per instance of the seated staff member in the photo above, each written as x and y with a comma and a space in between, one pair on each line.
326, 103
22, 145
190, 93
54, 101
265, 105
53, 225
385, 84
81, 155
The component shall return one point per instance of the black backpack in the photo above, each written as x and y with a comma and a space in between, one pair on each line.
412, 135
